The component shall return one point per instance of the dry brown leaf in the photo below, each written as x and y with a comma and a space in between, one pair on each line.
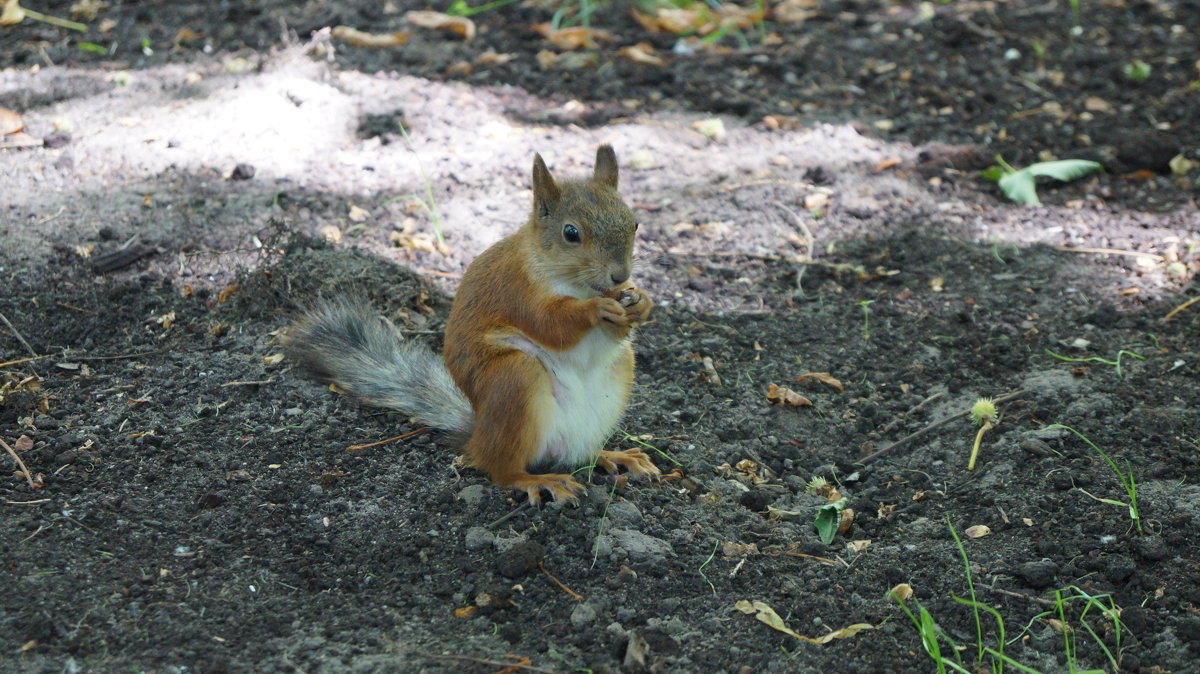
847, 518
887, 164
459, 25
903, 592
273, 359
642, 52
25, 443
575, 37
10, 122
358, 38
825, 378
86, 10
490, 57
357, 214
465, 611
859, 545
767, 615
732, 549
786, 397
187, 35
226, 292
794, 11
978, 531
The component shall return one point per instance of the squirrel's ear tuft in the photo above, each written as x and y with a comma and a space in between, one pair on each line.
606, 166
545, 190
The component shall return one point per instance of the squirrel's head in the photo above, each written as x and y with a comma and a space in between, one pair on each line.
584, 231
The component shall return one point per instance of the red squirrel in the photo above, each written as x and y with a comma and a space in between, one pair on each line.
538, 362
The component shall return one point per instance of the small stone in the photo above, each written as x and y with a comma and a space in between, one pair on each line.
1119, 568
583, 615
1151, 548
472, 495
479, 538
1039, 574
242, 172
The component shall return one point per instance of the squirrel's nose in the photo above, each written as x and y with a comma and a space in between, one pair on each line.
619, 277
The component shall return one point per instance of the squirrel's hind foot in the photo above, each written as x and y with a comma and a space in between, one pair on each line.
635, 462
561, 486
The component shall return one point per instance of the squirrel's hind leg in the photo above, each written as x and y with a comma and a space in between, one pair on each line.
512, 411
634, 460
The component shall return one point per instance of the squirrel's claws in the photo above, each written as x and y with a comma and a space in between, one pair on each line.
635, 462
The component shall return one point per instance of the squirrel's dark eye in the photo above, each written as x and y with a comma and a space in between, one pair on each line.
571, 233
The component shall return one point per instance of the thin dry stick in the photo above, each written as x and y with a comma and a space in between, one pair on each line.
355, 448
250, 383
1020, 595
13, 453
481, 661
1181, 307
17, 334
937, 424
1108, 251
917, 408
823, 560
502, 520
23, 360
574, 595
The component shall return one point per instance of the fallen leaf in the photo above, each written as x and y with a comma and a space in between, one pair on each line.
331, 233
575, 37
847, 518
357, 214
10, 122
642, 52
824, 378
358, 38
887, 164
1097, 104
25, 443
1181, 165
465, 612
859, 546
786, 397
273, 359
166, 321
937, 284
774, 513
903, 592
187, 35
732, 549
1026, 521
794, 11
767, 615
226, 292
459, 25
490, 57
978, 531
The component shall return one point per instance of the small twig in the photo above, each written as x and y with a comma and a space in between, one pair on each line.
574, 595
1181, 307
481, 661
122, 356
72, 307
355, 448
1109, 251
17, 334
35, 533
502, 520
251, 383
13, 453
1020, 595
40, 500
823, 560
916, 408
23, 360
937, 424
48, 218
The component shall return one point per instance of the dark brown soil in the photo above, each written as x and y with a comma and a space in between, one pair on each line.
199, 509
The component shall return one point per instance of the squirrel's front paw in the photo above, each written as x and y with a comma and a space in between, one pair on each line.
637, 307
610, 312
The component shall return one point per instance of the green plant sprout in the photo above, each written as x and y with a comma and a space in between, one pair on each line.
461, 8
1020, 185
1125, 478
983, 413
1136, 71
1096, 359
866, 309
430, 203
647, 445
14, 13
945, 652
829, 516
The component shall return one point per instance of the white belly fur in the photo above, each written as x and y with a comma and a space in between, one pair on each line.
586, 398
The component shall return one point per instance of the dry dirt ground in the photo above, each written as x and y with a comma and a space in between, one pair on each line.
199, 509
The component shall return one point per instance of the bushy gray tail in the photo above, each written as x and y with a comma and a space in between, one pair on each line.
347, 343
